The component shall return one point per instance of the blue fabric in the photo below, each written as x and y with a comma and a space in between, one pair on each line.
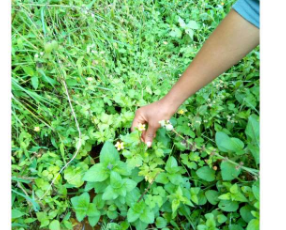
248, 9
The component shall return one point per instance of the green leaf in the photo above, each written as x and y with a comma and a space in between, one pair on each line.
16, 213
108, 154
206, 173
221, 218
162, 178
235, 227
55, 225
28, 70
245, 213
35, 82
147, 216
93, 220
253, 225
81, 204
252, 129
74, 176
228, 171
227, 144
92, 210
212, 196
96, 173
109, 193
193, 25
171, 164
161, 222
228, 206
115, 180
132, 215
129, 184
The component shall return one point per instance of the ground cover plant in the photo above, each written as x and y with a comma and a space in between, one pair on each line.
80, 69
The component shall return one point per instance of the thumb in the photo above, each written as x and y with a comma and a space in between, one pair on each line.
149, 135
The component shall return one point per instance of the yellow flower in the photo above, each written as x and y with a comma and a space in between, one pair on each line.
141, 127
37, 129
181, 111
119, 145
222, 3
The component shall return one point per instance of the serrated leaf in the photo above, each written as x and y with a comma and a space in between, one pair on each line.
108, 154
96, 173
147, 216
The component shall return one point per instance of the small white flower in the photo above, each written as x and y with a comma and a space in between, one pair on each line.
36, 55
92, 15
42, 53
90, 79
141, 127
165, 43
37, 129
162, 123
169, 127
119, 145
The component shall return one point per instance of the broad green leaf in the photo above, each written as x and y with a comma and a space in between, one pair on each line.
235, 227
221, 218
129, 184
212, 196
193, 25
93, 220
162, 178
92, 210
16, 213
206, 173
115, 180
171, 164
147, 216
132, 215
228, 206
96, 173
29, 70
227, 144
108, 154
228, 171
74, 176
55, 225
245, 213
109, 193
175, 179
253, 225
81, 204
140, 225
122, 168
161, 222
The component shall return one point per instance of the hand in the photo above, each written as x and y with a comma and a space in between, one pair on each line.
151, 115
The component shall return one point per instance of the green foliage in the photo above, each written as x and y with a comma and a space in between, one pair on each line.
113, 57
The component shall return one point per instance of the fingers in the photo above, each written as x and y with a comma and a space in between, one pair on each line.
150, 134
137, 119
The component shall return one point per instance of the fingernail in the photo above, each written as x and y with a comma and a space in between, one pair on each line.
149, 144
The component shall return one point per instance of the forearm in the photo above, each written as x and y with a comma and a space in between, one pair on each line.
229, 43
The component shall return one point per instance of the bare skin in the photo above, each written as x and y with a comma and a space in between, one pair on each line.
228, 44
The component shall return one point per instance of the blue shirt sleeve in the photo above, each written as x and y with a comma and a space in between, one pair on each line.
248, 9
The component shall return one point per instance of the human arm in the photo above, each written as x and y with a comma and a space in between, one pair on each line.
230, 42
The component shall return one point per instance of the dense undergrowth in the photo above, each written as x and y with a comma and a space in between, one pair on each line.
80, 69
